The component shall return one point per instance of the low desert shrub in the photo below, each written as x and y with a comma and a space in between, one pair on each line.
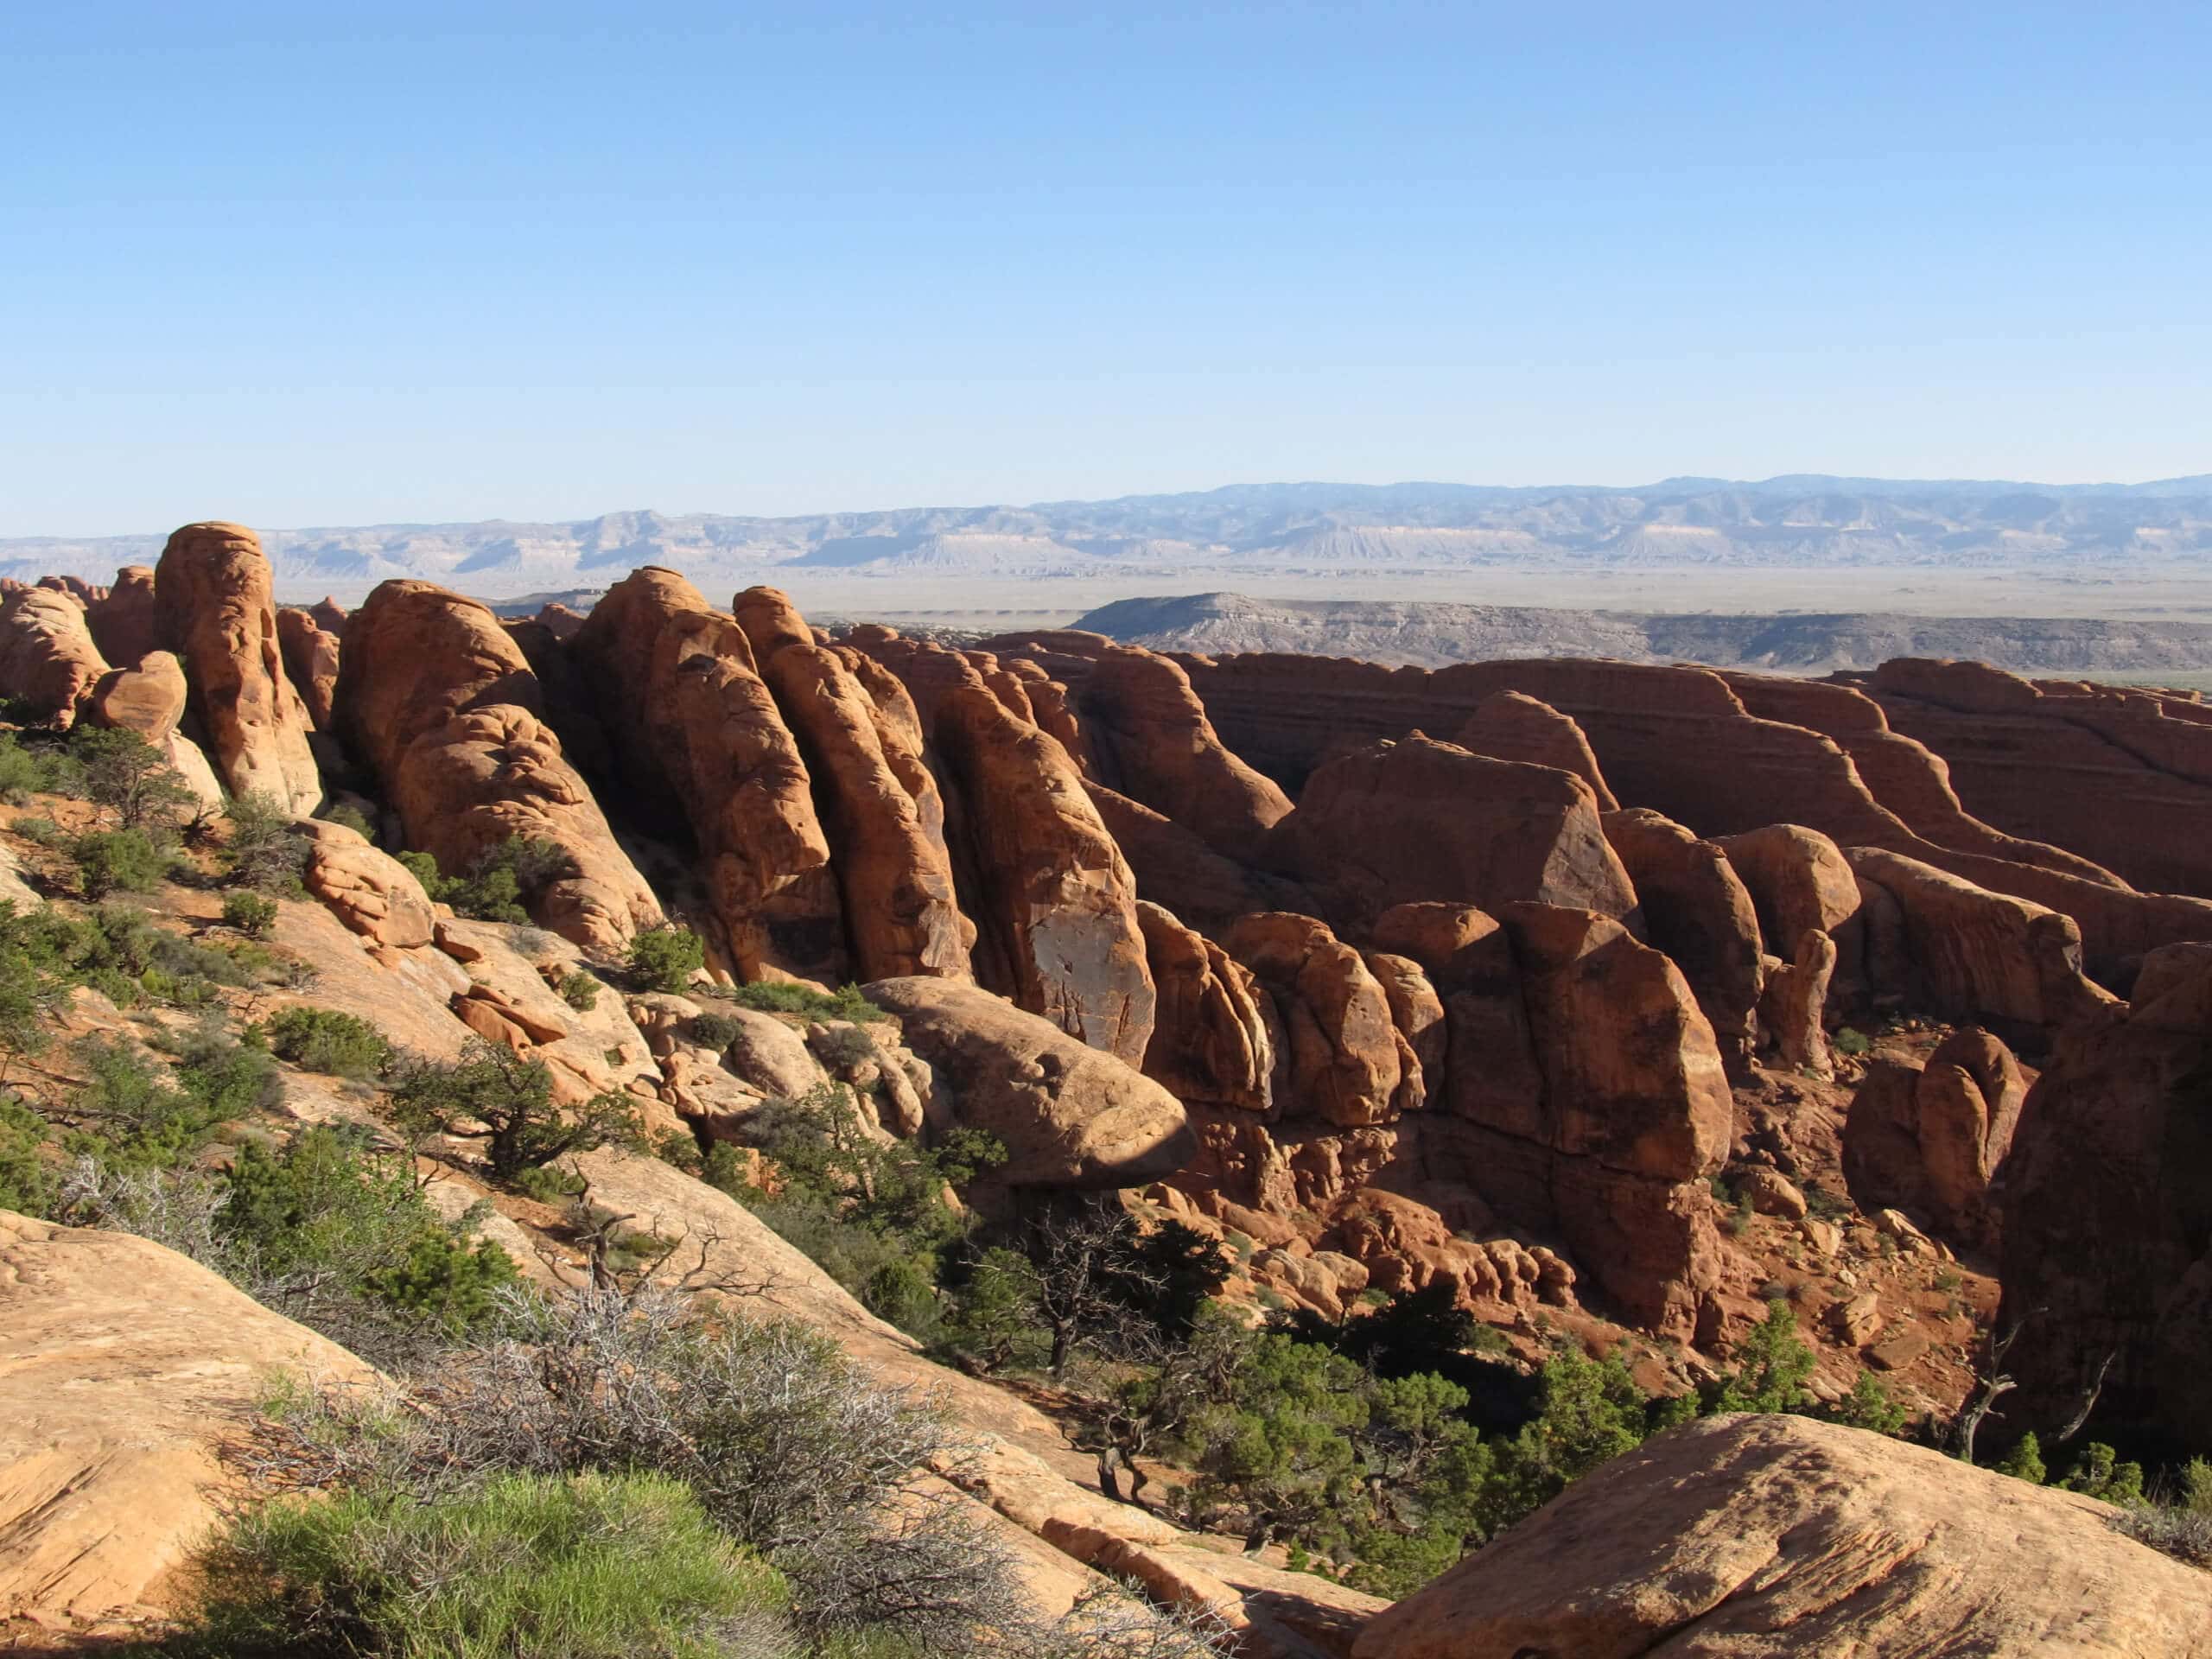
249, 913
327, 1041
771, 996
262, 852
576, 1567
117, 860
714, 1031
580, 991
493, 1096
664, 959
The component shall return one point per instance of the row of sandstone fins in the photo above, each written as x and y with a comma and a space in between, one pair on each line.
1455, 994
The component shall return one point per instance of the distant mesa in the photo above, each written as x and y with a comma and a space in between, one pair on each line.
1435, 635
1227, 537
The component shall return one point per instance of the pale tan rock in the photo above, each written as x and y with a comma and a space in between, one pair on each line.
1766, 1535
123, 1368
1070, 1116
772, 1057
371, 892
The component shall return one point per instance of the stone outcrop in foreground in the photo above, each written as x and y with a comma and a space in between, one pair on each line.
1764, 1535
124, 1367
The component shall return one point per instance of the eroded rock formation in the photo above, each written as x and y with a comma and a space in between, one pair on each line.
698, 732
442, 706
213, 589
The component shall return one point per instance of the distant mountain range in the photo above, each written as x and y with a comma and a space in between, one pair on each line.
1433, 635
1304, 530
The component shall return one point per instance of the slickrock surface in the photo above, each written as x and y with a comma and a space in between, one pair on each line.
123, 1368
212, 588
1746, 1536
1069, 1114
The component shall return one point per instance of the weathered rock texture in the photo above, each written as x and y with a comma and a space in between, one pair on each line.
1698, 911
2124, 777
1341, 1058
311, 660
442, 706
1412, 820
883, 809
123, 1368
1069, 1114
1746, 1535
1929, 1139
1634, 1107
1215, 1031
1726, 755
126, 623
698, 732
1053, 901
2108, 1216
212, 587
1508, 726
48, 660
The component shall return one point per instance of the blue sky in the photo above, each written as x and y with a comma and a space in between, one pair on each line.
348, 264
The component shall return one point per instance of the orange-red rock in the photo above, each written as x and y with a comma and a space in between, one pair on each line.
697, 730
1417, 820
126, 623
1053, 901
1697, 910
310, 652
892, 864
1213, 1034
440, 704
1340, 1059
213, 586
2107, 1218
1511, 726
48, 660
1928, 1140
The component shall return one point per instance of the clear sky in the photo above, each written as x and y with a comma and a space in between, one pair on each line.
308, 264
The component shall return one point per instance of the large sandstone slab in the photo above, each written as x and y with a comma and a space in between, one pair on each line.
124, 1367
1752, 1537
